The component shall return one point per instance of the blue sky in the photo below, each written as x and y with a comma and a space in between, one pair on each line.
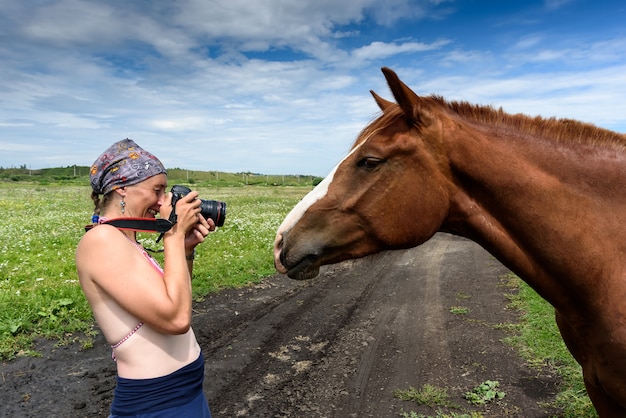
282, 86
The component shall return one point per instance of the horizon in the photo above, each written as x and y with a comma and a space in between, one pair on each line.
86, 167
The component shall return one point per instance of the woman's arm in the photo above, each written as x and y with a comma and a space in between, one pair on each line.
109, 267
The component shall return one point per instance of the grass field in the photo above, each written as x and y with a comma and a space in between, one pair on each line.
40, 225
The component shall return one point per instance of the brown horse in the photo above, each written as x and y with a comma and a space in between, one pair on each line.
546, 197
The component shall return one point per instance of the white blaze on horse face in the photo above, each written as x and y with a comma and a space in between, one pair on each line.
313, 196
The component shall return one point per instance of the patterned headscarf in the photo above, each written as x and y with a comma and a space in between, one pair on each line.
125, 163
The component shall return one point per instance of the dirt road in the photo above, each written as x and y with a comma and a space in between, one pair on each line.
335, 346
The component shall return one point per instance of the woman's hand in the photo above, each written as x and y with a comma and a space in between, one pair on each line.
187, 211
198, 233
191, 221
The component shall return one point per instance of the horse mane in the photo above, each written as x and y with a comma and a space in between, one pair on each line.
561, 130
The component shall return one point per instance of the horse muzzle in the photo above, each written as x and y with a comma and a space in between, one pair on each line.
296, 267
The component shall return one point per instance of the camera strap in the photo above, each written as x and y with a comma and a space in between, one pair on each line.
138, 224
171, 221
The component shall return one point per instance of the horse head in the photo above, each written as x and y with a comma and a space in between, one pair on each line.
389, 192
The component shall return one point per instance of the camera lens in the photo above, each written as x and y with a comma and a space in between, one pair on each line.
213, 209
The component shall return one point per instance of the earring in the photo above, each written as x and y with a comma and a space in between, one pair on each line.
123, 205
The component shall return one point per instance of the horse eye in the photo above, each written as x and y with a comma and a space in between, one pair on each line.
370, 163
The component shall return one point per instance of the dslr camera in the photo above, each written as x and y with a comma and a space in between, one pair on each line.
209, 209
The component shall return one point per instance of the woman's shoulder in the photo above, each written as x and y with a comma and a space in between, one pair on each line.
102, 231
99, 238
105, 253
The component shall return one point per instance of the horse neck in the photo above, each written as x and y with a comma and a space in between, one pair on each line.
540, 208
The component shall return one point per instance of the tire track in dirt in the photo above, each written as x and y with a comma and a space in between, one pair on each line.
403, 314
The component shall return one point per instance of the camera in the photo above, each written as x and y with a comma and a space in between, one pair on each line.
213, 209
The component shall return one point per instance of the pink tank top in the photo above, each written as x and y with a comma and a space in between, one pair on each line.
156, 265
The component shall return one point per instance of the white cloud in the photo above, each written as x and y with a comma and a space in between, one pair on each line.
378, 50
279, 87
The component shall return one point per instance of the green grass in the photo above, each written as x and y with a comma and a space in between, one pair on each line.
539, 341
428, 395
459, 310
40, 226
485, 392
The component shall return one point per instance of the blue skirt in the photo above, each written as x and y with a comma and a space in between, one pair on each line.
178, 394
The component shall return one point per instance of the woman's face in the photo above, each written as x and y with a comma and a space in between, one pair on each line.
144, 200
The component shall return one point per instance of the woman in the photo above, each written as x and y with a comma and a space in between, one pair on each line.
144, 312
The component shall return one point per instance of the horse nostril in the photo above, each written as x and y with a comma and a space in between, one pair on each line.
278, 245
279, 255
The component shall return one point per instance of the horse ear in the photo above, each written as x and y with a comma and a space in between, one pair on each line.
382, 103
412, 105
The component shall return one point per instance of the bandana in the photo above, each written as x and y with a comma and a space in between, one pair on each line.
125, 163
